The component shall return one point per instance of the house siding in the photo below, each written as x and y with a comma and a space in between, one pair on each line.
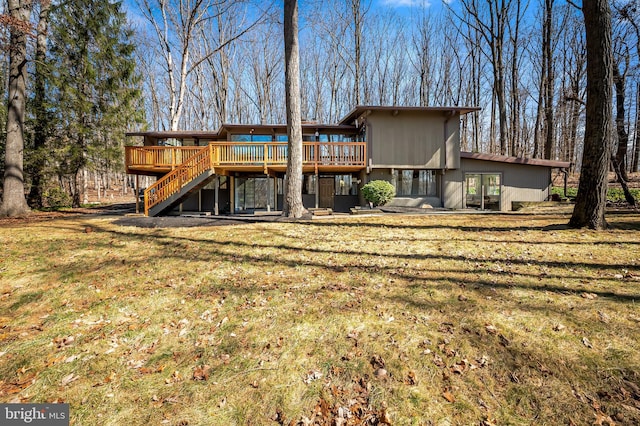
518, 182
421, 140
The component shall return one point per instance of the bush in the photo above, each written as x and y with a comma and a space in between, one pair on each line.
614, 195
378, 192
56, 198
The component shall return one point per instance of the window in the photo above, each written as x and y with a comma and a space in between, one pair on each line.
482, 190
309, 186
346, 185
251, 138
415, 182
241, 138
340, 138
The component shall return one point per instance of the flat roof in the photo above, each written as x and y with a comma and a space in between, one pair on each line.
361, 109
307, 127
515, 160
179, 134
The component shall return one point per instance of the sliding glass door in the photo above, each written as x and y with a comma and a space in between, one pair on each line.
482, 190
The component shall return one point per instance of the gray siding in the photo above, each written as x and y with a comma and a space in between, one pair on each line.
414, 139
518, 183
453, 189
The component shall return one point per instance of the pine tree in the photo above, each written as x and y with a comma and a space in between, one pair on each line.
94, 88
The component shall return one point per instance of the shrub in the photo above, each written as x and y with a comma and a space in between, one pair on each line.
56, 198
378, 192
614, 195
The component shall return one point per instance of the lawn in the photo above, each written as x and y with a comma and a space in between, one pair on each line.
433, 319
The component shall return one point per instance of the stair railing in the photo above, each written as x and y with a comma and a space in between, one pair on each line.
182, 175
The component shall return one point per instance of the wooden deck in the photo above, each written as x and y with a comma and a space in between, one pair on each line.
250, 157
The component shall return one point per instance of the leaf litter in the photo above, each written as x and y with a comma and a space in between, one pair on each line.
362, 321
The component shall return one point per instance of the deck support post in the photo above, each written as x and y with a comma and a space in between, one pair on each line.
232, 194
275, 192
136, 194
268, 198
317, 189
216, 184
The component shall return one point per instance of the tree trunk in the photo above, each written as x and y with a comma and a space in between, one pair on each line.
40, 112
14, 201
636, 138
549, 85
293, 197
619, 160
591, 200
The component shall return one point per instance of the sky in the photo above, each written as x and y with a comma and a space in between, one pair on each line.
399, 6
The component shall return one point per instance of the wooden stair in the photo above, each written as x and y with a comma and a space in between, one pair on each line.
176, 186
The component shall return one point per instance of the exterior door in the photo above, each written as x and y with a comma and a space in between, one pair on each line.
482, 191
327, 187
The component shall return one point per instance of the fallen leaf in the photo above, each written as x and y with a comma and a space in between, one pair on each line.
380, 373
111, 377
603, 317
483, 361
312, 376
411, 379
491, 329
201, 372
603, 419
458, 367
449, 396
68, 379
377, 362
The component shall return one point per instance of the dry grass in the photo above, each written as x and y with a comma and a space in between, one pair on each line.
466, 319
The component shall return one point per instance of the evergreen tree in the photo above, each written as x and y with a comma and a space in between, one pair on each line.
93, 88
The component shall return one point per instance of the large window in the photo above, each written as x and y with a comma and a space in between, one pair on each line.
253, 194
415, 182
346, 185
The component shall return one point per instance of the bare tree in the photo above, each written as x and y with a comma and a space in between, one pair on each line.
293, 196
591, 200
14, 202
629, 13
621, 59
491, 22
177, 25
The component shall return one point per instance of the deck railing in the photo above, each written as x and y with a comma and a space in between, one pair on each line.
276, 153
229, 154
158, 156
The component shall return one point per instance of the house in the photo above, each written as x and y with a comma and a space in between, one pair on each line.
240, 168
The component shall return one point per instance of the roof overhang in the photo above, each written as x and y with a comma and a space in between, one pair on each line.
515, 160
152, 137
367, 109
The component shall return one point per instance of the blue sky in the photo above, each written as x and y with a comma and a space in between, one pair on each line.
399, 6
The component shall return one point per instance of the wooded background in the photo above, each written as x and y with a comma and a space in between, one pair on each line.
110, 67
